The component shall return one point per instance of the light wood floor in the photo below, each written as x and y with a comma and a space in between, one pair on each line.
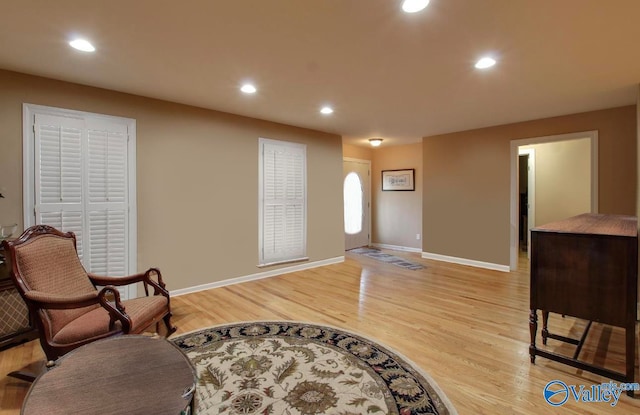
466, 327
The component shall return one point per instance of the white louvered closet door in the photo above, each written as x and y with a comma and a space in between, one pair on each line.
81, 185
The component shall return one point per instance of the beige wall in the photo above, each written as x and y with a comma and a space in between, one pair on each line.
197, 178
397, 216
562, 179
466, 197
357, 152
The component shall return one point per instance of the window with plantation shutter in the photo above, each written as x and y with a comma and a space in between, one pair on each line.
107, 197
283, 204
83, 180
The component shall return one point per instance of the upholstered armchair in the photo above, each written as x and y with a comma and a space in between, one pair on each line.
64, 300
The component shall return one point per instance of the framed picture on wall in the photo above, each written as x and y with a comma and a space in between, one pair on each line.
398, 180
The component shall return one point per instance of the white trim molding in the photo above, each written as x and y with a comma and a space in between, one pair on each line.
464, 261
397, 248
257, 276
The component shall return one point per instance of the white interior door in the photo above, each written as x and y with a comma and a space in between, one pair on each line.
357, 203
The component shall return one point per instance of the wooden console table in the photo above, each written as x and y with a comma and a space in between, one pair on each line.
586, 267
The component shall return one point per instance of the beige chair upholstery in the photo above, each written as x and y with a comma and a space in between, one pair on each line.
64, 300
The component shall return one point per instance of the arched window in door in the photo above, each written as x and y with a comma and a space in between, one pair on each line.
352, 204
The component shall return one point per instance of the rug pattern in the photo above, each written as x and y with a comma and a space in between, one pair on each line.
298, 368
388, 258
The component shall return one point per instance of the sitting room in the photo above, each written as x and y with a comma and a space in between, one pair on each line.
317, 206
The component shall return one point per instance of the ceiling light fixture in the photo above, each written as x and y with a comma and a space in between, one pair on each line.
413, 6
82, 44
326, 110
485, 63
375, 142
248, 89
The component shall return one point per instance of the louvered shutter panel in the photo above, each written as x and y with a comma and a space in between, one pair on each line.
107, 201
58, 178
284, 201
67, 222
108, 242
81, 185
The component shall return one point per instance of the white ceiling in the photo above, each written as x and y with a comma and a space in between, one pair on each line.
387, 73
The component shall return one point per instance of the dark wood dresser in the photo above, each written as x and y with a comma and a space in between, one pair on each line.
15, 324
586, 267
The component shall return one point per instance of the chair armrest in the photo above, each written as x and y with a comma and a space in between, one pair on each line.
145, 278
116, 310
56, 301
117, 281
158, 286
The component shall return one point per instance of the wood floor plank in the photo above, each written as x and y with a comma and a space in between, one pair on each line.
466, 327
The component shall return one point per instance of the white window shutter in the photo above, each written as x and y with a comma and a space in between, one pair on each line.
283, 201
108, 242
58, 181
67, 222
107, 166
82, 185
107, 201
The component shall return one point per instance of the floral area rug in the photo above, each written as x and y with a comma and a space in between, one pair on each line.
276, 367
391, 259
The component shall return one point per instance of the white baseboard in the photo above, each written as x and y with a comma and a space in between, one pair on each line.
257, 276
464, 261
397, 248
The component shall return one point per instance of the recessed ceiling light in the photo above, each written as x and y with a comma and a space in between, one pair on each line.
485, 63
83, 45
248, 89
412, 6
326, 110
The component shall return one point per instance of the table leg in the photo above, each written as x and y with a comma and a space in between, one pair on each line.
30, 372
533, 328
630, 335
545, 331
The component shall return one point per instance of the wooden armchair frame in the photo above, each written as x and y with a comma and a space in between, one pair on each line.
106, 298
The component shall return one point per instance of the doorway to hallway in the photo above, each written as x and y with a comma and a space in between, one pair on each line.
565, 177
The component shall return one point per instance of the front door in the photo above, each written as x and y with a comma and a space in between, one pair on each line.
356, 203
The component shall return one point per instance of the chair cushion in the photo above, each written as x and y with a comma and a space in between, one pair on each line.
90, 325
143, 311
50, 264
